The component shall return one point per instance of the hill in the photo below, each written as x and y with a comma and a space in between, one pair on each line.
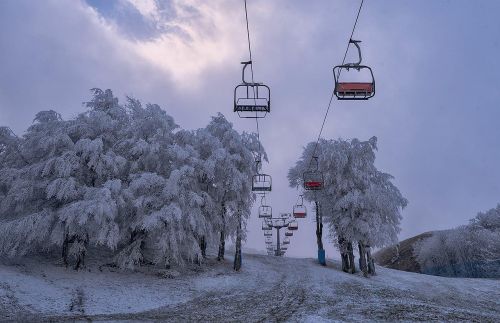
401, 257
267, 288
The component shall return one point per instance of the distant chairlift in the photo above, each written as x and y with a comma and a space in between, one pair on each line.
265, 226
288, 233
265, 211
261, 182
354, 81
251, 99
286, 241
313, 179
293, 225
267, 233
299, 209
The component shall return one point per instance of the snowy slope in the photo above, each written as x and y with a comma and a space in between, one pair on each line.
267, 288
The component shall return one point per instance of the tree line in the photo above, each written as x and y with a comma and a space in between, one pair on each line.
126, 178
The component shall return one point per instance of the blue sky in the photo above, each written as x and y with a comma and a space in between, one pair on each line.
436, 63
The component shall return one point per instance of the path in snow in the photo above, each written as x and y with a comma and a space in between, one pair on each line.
267, 289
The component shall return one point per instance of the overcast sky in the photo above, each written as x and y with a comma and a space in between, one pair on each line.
436, 112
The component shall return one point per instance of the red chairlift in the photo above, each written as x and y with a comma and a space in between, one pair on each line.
251, 99
313, 179
349, 89
299, 209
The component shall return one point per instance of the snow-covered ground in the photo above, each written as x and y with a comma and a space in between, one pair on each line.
267, 289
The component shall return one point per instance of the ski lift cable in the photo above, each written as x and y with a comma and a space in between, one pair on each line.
251, 70
333, 91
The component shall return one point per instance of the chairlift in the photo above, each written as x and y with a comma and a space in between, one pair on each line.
265, 211
286, 240
293, 225
251, 99
299, 209
267, 233
261, 182
354, 81
288, 233
266, 226
313, 179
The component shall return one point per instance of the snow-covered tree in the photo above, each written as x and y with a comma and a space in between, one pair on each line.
358, 203
228, 164
471, 250
123, 178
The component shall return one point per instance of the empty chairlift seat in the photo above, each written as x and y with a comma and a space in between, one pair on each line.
313, 179
292, 226
251, 99
354, 81
261, 183
266, 227
265, 211
299, 209
288, 233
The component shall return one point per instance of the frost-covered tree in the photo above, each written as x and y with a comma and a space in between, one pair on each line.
227, 167
359, 203
471, 250
123, 178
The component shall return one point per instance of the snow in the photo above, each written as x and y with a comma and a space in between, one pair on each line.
267, 288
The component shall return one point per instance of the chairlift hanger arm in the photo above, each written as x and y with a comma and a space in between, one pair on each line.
360, 58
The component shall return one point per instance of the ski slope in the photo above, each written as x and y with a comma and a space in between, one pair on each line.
268, 288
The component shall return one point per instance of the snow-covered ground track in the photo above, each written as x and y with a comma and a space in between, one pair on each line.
267, 289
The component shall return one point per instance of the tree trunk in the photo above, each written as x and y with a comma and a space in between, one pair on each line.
237, 255
362, 259
203, 247
319, 233
371, 261
65, 248
350, 254
343, 255
222, 246
222, 241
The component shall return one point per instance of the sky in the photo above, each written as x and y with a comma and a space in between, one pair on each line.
435, 113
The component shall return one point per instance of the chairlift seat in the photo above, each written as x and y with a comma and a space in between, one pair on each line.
261, 183
265, 211
299, 211
288, 233
293, 226
251, 99
313, 185
347, 90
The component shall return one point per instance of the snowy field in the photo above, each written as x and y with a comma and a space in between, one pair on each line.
267, 289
